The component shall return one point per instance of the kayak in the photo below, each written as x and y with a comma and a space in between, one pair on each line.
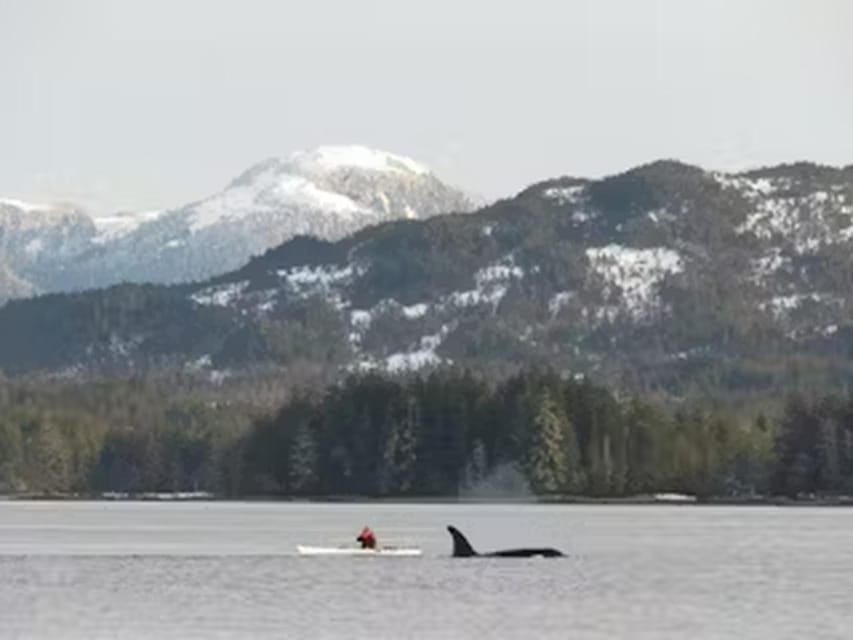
357, 551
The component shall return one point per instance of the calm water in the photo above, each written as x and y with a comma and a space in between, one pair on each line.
217, 570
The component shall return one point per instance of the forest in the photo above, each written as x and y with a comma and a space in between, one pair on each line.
450, 433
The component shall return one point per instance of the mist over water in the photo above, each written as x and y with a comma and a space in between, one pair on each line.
504, 482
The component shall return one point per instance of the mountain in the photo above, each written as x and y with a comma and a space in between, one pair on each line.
328, 192
35, 239
665, 276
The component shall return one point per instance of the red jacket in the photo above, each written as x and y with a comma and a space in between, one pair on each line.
367, 539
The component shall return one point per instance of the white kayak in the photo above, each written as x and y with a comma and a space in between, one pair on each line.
357, 551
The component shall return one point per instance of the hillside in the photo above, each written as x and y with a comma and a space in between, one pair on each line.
666, 275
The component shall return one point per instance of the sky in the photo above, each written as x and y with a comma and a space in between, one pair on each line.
147, 104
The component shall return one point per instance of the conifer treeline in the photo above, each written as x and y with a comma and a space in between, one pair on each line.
450, 432
440, 435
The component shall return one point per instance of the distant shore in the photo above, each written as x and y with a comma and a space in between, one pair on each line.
657, 499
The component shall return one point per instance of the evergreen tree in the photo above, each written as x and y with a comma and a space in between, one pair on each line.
303, 460
51, 463
547, 459
401, 448
11, 456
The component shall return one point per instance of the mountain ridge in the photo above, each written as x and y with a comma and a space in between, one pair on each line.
329, 191
665, 275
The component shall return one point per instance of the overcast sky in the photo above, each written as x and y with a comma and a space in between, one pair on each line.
152, 103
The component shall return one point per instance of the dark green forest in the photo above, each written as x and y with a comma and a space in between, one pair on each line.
450, 433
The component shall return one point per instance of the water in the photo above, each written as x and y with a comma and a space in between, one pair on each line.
228, 570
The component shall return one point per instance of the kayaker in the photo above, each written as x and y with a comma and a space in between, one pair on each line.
367, 538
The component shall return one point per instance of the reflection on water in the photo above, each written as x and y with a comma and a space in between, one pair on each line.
216, 570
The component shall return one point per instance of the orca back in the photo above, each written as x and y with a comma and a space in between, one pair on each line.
546, 552
463, 549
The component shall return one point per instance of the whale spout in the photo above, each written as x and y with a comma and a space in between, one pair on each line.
463, 549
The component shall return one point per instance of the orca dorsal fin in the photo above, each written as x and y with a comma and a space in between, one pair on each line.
461, 547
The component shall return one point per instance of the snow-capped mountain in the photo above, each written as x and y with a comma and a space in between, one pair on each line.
328, 192
666, 276
35, 240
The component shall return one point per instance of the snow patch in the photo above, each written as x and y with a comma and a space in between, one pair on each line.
386, 203
123, 347
564, 195
656, 215
268, 191
411, 361
306, 281
112, 227
752, 187
806, 221
763, 186
492, 285
300, 191
220, 295
487, 295
204, 362
772, 216
781, 306
415, 311
34, 247
500, 271
360, 319
330, 158
465, 298
218, 376
767, 265
559, 300
635, 272
423, 355
266, 306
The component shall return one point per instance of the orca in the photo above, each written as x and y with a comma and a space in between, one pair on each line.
463, 549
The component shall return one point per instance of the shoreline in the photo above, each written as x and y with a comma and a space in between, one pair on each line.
641, 500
